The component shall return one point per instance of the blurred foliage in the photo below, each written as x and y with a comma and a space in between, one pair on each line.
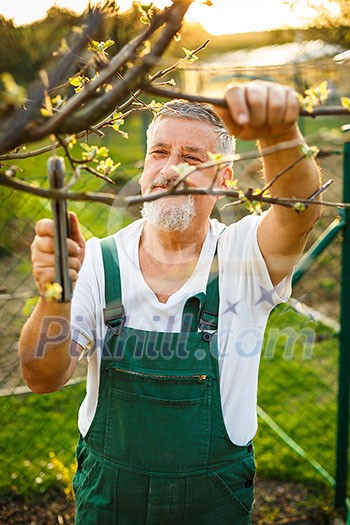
31, 47
27, 49
331, 22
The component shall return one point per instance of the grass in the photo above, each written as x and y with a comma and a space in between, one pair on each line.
37, 445
298, 391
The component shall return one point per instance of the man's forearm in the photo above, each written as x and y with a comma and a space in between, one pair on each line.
46, 358
300, 181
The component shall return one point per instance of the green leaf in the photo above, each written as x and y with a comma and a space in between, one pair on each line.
53, 291
100, 47
58, 101
117, 122
78, 82
115, 127
183, 169
108, 166
314, 96
305, 103
90, 151
29, 305
45, 112
231, 184
103, 152
254, 207
310, 152
155, 106
299, 206
72, 141
64, 48
345, 102
321, 91
108, 43
74, 81
215, 156
12, 94
190, 56
93, 46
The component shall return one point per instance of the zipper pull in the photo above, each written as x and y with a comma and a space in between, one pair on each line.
202, 377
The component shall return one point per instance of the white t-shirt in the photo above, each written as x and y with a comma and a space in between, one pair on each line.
246, 298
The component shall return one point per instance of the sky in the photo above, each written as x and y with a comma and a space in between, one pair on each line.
223, 17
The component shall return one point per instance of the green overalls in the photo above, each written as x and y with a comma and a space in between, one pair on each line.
157, 451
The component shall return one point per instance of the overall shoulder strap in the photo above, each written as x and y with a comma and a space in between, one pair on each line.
191, 313
210, 313
202, 310
114, 315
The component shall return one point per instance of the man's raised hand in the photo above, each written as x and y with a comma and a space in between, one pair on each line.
261, 110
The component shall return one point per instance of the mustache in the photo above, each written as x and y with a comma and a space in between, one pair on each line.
165, 182
161, 181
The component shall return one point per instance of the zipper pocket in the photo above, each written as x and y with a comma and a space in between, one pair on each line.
196, 377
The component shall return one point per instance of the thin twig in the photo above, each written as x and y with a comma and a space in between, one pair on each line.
66, 150
160, 74
98, 175
282, 172
323, 188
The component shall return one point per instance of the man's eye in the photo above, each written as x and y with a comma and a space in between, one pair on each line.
192, 158
159, 152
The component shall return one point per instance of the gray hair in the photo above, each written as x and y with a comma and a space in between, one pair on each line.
201, 112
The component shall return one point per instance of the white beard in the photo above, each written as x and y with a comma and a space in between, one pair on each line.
170, 217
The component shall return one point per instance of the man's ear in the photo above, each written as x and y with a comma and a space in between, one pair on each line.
225, 176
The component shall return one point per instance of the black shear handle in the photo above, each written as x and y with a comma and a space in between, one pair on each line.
56, 171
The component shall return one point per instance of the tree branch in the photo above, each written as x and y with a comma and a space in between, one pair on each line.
21, 125
115, 200
220, 102
82, 109
134, 76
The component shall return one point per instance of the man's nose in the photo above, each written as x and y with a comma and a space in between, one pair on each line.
168, 170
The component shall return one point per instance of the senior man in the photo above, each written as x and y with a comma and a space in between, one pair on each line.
171, 311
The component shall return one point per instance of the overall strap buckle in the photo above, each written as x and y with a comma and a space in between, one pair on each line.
113, 313
208, 324
209, 316
114, 317
208, 321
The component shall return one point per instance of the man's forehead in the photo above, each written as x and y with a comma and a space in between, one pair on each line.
183, 146
189, 134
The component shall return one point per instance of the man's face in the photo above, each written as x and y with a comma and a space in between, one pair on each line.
175, 141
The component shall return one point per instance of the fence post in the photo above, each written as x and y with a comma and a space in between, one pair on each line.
344, 349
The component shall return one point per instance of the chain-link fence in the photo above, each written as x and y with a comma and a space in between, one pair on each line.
298, 377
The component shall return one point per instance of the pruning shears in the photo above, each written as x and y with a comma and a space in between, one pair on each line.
56, 172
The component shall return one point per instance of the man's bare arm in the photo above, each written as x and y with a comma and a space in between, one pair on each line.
283, 231
268, 112
47, 356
